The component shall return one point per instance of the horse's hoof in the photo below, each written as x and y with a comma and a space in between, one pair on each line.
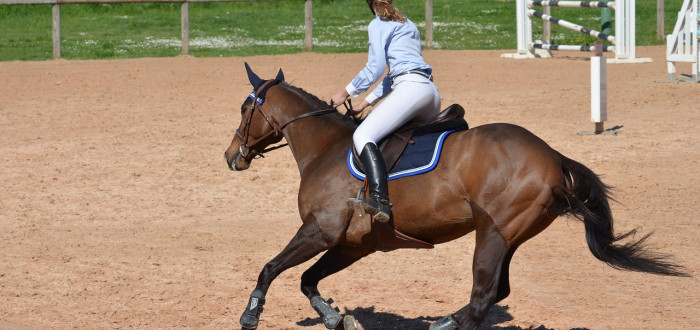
349, 323
331, 317
251, 316
249, 322
445, 323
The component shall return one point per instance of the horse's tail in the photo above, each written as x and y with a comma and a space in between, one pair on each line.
586, 198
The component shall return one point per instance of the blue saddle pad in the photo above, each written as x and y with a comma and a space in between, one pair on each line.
417, 158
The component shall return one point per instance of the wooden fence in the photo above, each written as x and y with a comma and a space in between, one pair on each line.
185, 18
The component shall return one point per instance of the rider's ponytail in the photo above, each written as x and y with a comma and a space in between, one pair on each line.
386, 10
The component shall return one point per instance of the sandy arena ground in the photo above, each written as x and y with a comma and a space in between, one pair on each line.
118, 211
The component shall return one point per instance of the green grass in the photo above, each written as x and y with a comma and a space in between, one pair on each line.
251, 28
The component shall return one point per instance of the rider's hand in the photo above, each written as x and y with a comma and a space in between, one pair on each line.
356, 110
339, 98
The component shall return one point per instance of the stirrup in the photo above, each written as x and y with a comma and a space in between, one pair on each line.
363, 206
379, 207
379, 210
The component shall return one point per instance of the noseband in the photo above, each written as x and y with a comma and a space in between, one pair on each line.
276, 129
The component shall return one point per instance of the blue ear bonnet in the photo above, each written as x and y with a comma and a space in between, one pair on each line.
257, 82
259, 100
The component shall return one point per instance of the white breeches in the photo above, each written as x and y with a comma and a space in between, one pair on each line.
412, 97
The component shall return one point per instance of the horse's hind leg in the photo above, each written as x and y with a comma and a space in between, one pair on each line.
491, 255
304, 246
504, 279
333, 261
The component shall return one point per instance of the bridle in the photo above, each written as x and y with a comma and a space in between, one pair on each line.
276, 131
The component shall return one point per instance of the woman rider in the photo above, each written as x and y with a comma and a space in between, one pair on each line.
408, 92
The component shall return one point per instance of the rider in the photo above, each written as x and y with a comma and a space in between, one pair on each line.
394, 41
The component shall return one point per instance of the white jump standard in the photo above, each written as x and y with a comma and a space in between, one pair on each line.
623, 40
682, 45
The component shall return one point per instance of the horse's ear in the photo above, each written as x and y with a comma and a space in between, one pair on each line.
252, 77
280, 76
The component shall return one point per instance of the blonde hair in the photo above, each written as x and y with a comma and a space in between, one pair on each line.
386, 10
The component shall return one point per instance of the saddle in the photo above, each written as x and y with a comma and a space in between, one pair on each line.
394, 145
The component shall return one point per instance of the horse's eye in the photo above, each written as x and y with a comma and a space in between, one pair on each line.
246, 105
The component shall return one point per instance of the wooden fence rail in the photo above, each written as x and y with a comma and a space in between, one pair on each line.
185, 18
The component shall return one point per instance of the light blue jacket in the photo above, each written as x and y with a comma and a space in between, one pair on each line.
391, 43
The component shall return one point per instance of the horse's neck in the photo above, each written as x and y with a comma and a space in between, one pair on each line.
315, 137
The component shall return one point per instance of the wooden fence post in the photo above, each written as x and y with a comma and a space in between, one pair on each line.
309, 25
429, 23
56, 23
660, 20
185, 26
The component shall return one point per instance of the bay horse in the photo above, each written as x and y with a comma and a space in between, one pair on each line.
498, 180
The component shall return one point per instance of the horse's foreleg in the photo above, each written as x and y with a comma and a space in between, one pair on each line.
305, 245
333, 261
489, 256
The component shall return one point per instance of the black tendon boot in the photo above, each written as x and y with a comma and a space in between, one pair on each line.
377, 204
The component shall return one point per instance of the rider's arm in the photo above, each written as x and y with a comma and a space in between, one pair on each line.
379, 92
379, 34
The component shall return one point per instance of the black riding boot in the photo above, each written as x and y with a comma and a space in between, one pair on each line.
377, 204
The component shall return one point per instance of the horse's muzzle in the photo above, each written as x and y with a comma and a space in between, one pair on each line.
236, 161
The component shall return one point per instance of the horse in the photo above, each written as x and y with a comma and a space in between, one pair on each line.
498, 180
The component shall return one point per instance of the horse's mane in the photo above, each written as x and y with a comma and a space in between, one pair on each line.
318, 102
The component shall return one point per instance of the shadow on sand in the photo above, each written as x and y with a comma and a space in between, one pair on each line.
371, 320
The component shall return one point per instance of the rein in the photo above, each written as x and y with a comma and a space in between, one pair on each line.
276, 129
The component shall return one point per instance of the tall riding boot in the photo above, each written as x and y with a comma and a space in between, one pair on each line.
377, 204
